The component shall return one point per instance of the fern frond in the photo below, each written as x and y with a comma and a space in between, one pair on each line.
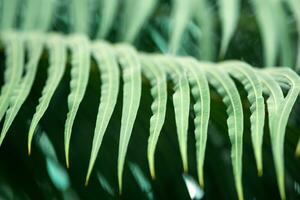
79, 11
200, 92
182, 12
108, 66
46, 15
30, 18
158, 81
136, 13
14, 50
108, 14
57, 53
265, 19
247, 76
80, 60
283, 30
230, 96
287, 77
206, 39
8, 14
34, 46
229, 14
294, 5
181, 102
132, 88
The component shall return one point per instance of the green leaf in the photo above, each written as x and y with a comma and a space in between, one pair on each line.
294, 7
14, 50
8, 14
181, 102
108, 66
283, 76
282, 27
34, 46
230, 96
57, 53
206, 40
158, 81
79, 11
247, 76
47, 11
108, 14
32, 9
229, 14
135, 14
80, 59
200, 92
132, 87
182, 12
265, 19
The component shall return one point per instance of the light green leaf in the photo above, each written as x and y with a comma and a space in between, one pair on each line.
46, 14
136, 13
110, 75
14, 51
181, 102
132, 87
158, 81
272, 89
31, 14
200, 92
57, 52
283, 76
8, 14
229, 14
282, 27
80, 60
182, 12
247, 76
108, 14
230, 96
79, 11
294, 7
206, 40
34, 46
265, 19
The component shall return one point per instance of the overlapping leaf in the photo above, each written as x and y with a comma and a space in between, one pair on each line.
247, 76
132, 88
230, 96
200, 92
14, 50
80, 60
56, 70
109, 70
181, 102
158, 81
34, 46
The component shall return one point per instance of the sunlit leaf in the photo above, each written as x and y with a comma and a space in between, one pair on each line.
158, 81
247, 76
80, 60
230, 96
34, 46
181, 102
132, 87
14, 63
200, 92
287, 77
229, 14
110, 75
55, 72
